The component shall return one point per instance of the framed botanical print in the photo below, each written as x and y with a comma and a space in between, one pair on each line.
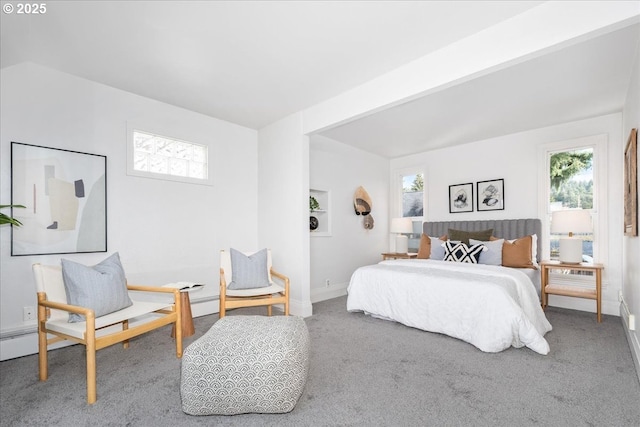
490, 195
461, 198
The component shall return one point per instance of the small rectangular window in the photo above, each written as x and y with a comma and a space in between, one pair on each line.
412, 195
162, 157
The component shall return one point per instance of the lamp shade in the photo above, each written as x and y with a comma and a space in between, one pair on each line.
571, 221
401, 225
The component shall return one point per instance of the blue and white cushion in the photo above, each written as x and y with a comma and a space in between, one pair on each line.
459, 252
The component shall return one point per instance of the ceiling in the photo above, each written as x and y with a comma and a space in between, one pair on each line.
582, 81
253, 63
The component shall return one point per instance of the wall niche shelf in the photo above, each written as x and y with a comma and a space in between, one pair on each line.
322, 214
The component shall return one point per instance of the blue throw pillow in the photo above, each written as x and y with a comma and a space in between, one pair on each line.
249, 272
493, 254
437, 249
102, 287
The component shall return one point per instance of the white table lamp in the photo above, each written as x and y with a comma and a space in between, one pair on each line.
568, 222
399, 226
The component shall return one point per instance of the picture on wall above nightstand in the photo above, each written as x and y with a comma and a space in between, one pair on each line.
461, 198
490, 195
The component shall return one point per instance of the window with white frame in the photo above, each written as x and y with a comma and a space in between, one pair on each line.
162, 157
409, 193
574, 177
413, 195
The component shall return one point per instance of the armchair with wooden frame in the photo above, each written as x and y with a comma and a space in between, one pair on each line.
275, 293
96, 333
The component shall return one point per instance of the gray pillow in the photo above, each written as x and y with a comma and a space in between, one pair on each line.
437, 249
249, 272
464, 236
493, 254
102, 287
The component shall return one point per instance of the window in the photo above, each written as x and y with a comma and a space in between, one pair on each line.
413, 195
162, 157
410, 201
571, 187
574, 177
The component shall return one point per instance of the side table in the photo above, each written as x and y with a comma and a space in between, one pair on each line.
394, 255
185, 313
547, 288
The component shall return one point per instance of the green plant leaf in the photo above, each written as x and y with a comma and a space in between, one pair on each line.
6, 219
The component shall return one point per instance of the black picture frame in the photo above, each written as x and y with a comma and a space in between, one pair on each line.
461, 198
490, 195
65, 195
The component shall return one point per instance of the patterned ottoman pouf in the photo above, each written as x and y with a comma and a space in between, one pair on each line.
246, 364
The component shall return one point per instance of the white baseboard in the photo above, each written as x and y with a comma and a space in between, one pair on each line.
632, 335
334, 291
582, 304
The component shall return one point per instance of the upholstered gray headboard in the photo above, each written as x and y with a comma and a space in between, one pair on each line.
504, 228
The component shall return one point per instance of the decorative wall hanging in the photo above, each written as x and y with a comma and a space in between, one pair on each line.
65, 194
461, 198
313, 206
631, 185
362, 205
490, 195
313, 223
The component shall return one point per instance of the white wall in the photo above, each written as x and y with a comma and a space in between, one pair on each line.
631, 245
283, 189
341, 169
164, 231
515, 159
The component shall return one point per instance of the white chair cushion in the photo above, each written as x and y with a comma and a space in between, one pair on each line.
255, 291
135, 311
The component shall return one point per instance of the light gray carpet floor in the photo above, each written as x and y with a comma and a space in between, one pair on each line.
363, 372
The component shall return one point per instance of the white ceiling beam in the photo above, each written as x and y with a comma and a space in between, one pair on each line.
543, 29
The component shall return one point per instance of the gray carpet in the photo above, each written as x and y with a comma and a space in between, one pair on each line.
363, 372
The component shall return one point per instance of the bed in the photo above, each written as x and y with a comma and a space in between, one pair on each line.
490, 306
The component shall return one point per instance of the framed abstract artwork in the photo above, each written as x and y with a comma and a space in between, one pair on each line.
490, 195
461, 198
65, 195
631, 185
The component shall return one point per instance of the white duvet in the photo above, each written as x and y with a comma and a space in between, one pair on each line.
491, 307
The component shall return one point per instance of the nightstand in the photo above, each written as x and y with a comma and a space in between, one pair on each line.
393, 255
547, 288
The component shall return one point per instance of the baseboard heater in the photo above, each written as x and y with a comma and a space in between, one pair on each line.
629, 319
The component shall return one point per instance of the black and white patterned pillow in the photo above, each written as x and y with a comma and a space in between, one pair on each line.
459, 252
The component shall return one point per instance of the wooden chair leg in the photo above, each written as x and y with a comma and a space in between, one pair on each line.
125, 326
42, 354
223, 301
43, 365
178, 326
90, 337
